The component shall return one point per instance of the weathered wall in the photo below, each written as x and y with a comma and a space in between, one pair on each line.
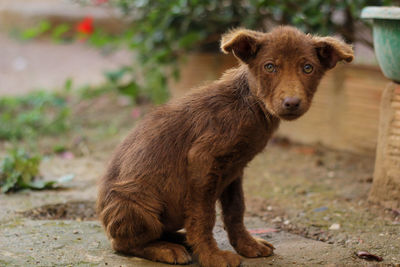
200, 68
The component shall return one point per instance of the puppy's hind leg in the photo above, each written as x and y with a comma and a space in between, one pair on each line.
178, 237
137, 231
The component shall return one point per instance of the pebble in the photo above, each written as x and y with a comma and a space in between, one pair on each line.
276, 219
320, 209
94, 245
58, 246
334, 226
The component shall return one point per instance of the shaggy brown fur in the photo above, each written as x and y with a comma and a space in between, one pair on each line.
185, 156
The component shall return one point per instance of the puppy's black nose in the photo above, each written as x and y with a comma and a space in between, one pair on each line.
291, 103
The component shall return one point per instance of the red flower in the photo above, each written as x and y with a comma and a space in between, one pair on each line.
85, 26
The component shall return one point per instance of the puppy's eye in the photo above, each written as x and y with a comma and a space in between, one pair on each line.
308, 68
270, 67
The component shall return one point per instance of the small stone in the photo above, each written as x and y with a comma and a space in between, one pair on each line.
286, 222
334, 226
276, 219
58, 246
269, 208
320, 209
75, 232
301, 191
94, 245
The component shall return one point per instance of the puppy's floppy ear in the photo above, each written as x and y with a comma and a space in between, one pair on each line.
243, 43
331, 50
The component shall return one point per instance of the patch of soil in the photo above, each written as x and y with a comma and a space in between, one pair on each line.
74, 210
321, 194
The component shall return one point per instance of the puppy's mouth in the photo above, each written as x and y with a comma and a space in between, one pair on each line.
290, 116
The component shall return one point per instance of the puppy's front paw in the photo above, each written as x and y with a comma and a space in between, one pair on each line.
254, 247
220, 259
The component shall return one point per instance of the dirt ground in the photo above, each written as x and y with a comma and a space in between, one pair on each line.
309, 201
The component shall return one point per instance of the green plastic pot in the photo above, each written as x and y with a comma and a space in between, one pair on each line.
386, 32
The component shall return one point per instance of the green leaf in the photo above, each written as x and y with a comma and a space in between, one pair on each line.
18, 170
117, 75
9, 182
59, 31
40, 184
131, 89
36, 31
59, 148
66, 178
190, 39
33, 114
68, 85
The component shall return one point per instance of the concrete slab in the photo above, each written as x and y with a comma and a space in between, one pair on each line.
25, 242
28, 242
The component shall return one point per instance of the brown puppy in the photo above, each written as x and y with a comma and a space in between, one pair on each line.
187, 155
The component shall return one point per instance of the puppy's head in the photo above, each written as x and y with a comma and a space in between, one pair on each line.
285, 65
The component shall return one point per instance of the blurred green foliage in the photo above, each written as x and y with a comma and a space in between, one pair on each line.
36, 31
161, 32
19, 170
34, 114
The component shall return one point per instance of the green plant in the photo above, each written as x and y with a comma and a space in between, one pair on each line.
33, 114
19, 170
36, 31
162, 32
